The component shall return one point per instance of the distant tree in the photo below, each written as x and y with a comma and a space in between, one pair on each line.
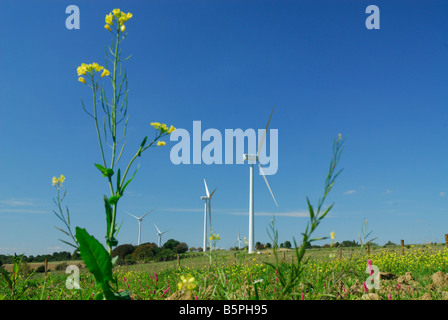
145, 251
123, 250
287, 244
268, 245
390, 243
181, 248
165, 254
347, 243
170, 244
282, 245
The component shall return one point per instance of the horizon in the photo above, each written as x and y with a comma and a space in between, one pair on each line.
227, 64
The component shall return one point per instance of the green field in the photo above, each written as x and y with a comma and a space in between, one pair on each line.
331, 273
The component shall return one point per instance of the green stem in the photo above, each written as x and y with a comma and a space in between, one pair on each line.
115, 101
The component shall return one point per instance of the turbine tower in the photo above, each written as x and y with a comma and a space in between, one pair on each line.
159, 233
139, 224
207, 207
238, 241
254, 158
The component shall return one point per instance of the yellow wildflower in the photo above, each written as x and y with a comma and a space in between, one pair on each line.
187, 282
122, 28
58, 181
105, 73
96, 67
107, 27
161, 143
81, 79
156, 125
81, 69
116, 12
109, 19
332, 235
214, 236
171, 129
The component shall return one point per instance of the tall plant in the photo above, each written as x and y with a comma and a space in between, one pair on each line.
290, 279
111, 133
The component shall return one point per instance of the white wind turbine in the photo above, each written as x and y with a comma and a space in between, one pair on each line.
139, 224
254, 158
238, 241
159, 233
207, 199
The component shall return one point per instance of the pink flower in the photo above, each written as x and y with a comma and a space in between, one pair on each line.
369, 265
365, 287
389, 296
303, 296
124, 279
166, 291
399, 286
156, 277
48, 297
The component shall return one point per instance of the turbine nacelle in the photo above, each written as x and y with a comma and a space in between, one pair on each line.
250, 157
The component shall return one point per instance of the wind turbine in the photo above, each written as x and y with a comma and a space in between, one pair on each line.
139, 224
254, 158
238, 241
207, 199
159, 233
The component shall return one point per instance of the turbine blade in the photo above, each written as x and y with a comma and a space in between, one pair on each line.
260, 144
157, 229
212, 193
132, 215
206, 189
145, 214
267, 183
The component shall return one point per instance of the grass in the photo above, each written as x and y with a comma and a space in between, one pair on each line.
237, 275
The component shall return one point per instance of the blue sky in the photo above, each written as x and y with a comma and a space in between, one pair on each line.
226, 64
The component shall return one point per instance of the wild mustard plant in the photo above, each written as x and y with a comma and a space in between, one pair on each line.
113, 132
289, 280
364, 234
16, 285
57, 183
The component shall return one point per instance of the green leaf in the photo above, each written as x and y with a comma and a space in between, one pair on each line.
310, 208
113, 200
139, 152
95, 257
106, 172
127, 182
118, 181
5, 275
110, 240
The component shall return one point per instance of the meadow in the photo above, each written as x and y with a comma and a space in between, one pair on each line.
329, 274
